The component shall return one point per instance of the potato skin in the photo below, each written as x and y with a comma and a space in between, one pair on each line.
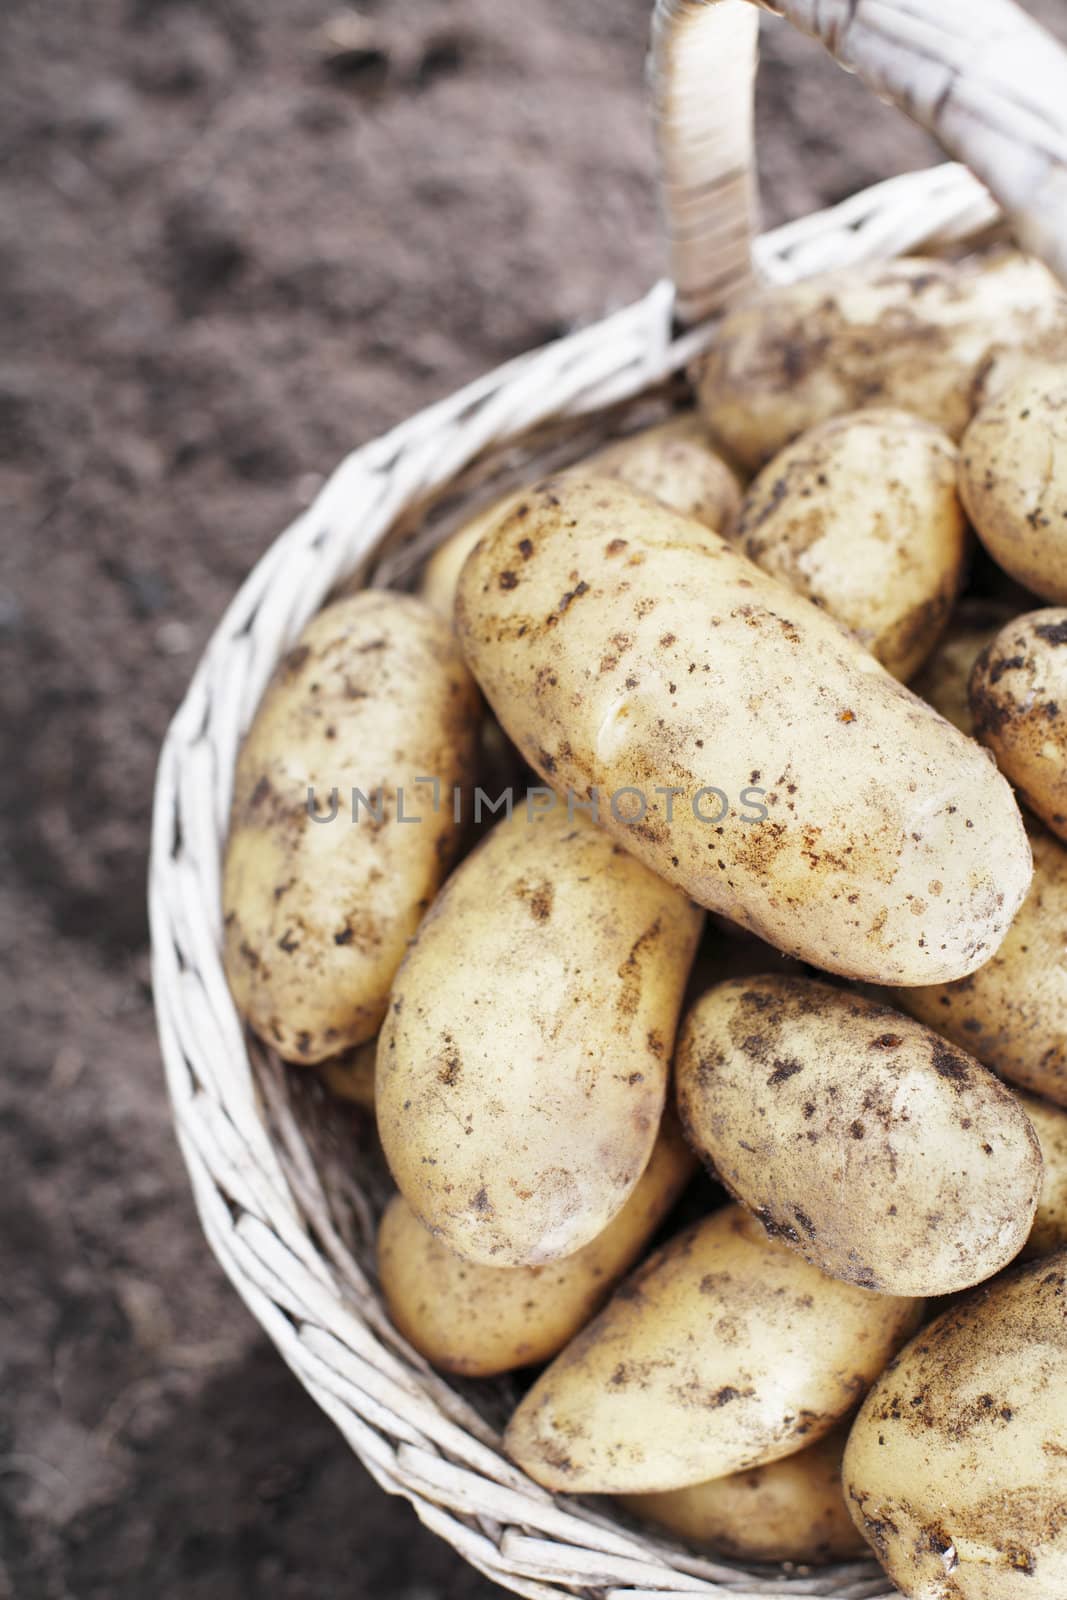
956, 1467
920, 335
944, 679
723, 1351
350, 1076
1018, 694
1012, 1013
1013, 479
880, 1153
318, 914
480, 1321
672, 461
522, 1068
622, 645
1049, 1231
789, 1510
861, 515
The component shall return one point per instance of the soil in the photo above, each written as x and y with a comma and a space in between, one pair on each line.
239, 241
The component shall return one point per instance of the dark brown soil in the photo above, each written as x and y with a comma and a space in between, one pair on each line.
227, 258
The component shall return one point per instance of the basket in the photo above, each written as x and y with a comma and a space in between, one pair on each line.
286, 1195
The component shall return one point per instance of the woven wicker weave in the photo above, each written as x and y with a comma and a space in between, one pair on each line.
287, 1202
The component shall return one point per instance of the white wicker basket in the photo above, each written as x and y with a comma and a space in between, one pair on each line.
286, 1202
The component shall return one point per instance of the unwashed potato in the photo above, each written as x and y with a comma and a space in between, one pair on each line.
351, 1076
1013, 479
943, 681
480, 1320
956, 1467
522, 1068
1018, 696
1049, 1231
788, 1510
737, 739
672, 461
1012, 1013
724, 1351
920, 335
882, 1154
861, 515
318, 912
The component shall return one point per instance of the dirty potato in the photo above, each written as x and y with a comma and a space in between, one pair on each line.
919, 335
319, 907
788, 1510
479, 1320
944, 679
882, 1154
861, 515
724, 1351
956, 1467
1049, 1230
1018, 693
737, 740
1012, 1013
673, 461
1013, 479
522, 1067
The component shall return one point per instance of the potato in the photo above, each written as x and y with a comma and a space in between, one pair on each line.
943, 681
522, 1068
1012, 1013
788, 1510
480, 1320
861, 515
318, 912
1018, 695
350, 1076
1013, 479
880, 1153
724, 1351
956, 1467
672, 461
636, 659
1049, 1231
921, 335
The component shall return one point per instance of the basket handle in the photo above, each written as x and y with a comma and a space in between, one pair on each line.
980, 75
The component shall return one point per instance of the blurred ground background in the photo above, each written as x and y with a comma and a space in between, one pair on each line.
228, 255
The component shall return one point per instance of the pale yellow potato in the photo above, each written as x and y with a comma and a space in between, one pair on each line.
1013, 479
318, 912
788, 1510
943, 681
881, 1153
673, 461
522, 1068
623, 646
350, 1076
723, 1351
1018, 694
480, 1321
1012, 1013
921, 335
861, 515
956, 1467
1049, 1231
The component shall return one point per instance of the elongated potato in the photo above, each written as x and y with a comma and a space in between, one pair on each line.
724, 1351
789, 1510
944, 679
318, 910
1012, 1013
1049, 1230
861, 515
1018, 694
672, 461
522, 1068
916, 334
636, 659
1013, 479
956, 1467
480, 1320
882, 1154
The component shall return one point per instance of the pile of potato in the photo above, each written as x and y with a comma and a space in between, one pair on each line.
694, 648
